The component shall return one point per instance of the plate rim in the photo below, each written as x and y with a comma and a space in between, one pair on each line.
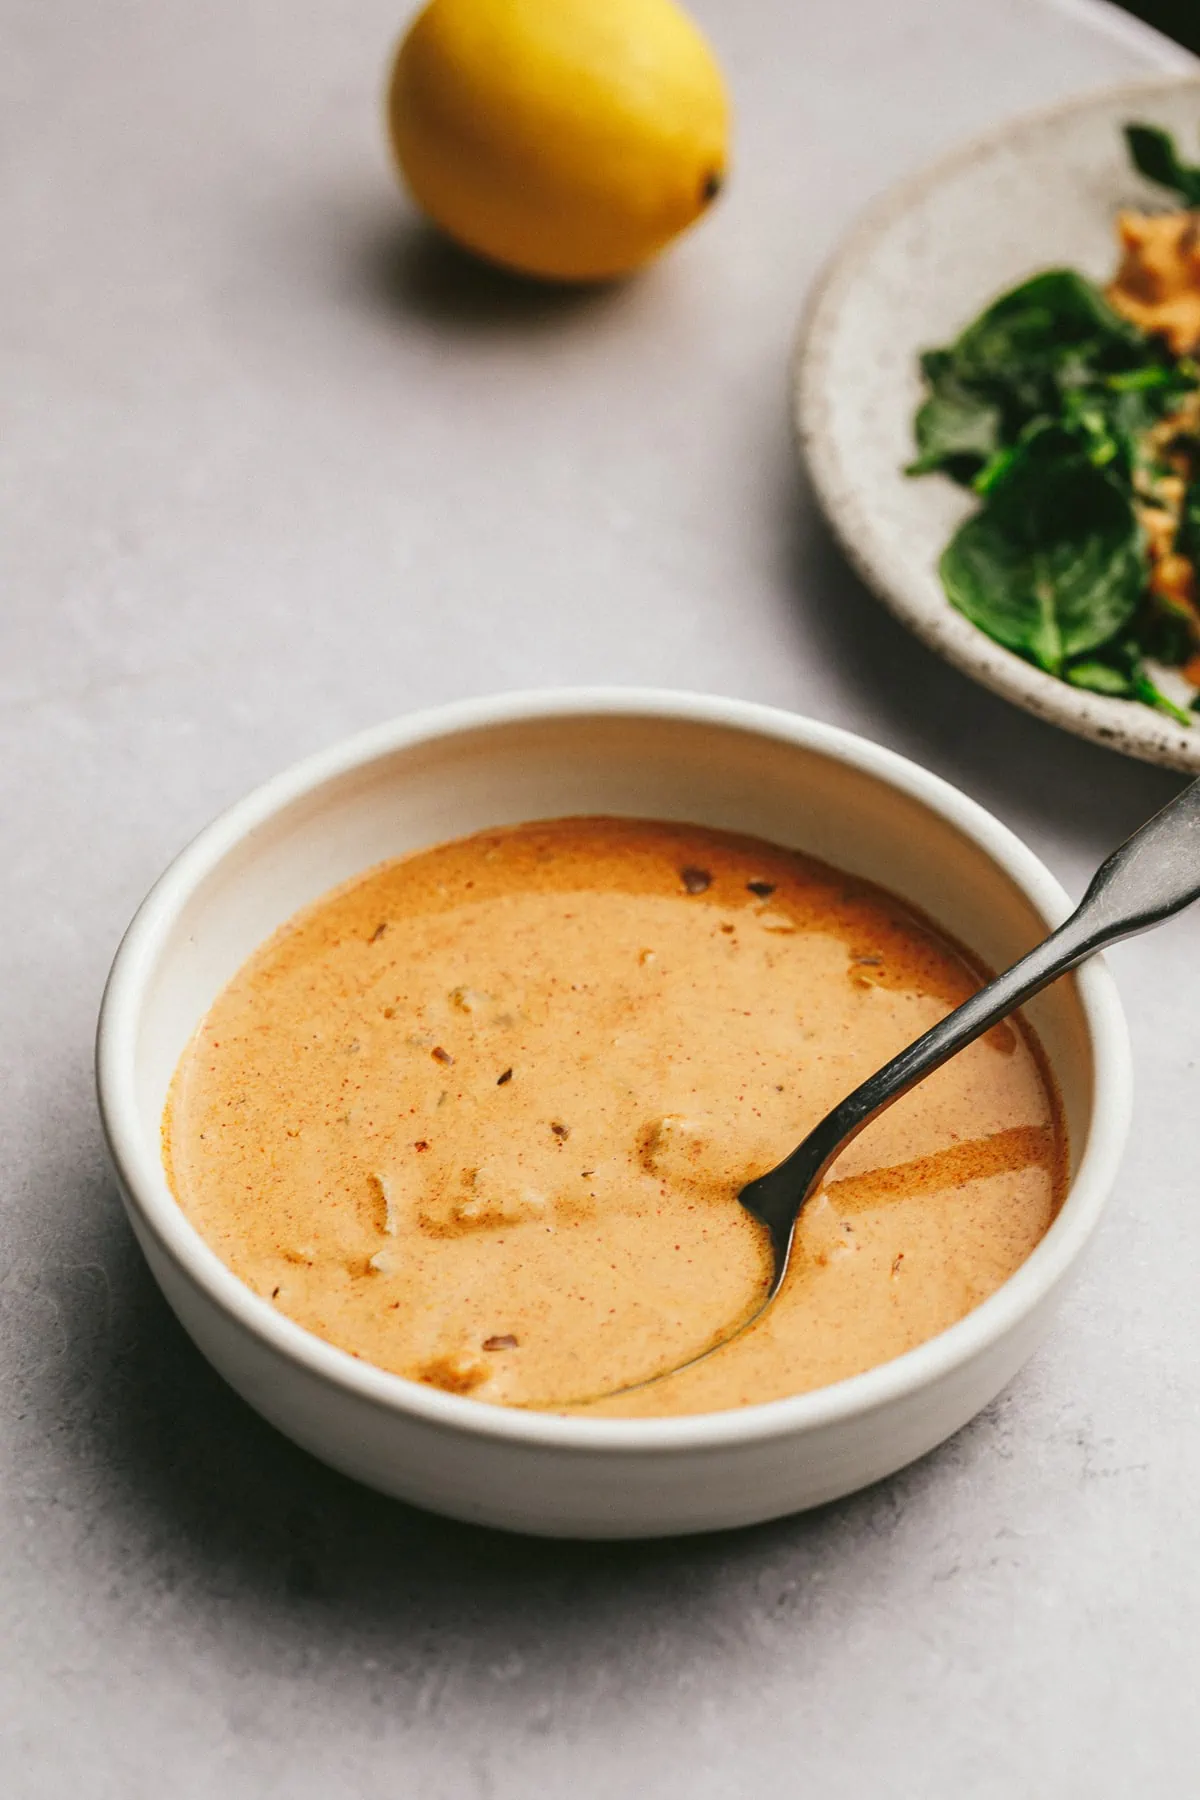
1121, 725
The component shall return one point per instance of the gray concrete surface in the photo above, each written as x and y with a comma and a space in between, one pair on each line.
273, 465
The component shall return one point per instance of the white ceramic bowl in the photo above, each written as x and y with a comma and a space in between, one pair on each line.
661, 755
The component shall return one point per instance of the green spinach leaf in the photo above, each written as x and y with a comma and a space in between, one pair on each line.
1100, 678
1049, 345
1113, 417
1149, 694
1042, 326
956, 430
1125, 678
1153, 153
1053, 564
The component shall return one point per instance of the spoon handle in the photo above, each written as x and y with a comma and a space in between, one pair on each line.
1153, 874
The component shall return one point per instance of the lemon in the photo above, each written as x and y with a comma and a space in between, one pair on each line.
569, 139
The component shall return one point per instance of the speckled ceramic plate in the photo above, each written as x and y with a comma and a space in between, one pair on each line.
1040, 192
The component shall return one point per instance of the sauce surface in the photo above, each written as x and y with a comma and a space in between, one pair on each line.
480, 1117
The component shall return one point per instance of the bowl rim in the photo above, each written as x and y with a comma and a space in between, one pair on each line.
143, 1182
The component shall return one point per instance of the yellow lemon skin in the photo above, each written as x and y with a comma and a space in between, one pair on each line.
567, 139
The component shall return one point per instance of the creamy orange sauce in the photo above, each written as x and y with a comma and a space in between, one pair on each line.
481, 1115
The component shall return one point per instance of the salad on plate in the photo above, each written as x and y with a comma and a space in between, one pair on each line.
1073, 413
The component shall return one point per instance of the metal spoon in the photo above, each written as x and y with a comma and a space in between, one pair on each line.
1155, 873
